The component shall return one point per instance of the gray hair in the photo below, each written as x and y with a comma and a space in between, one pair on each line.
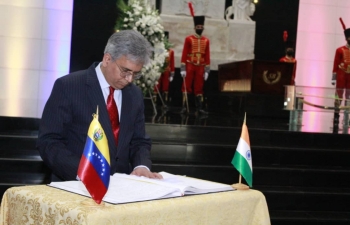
131, 44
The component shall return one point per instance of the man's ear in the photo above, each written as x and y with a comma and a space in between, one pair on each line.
106, 59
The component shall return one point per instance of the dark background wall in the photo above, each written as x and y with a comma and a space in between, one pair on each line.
93, 23
272, 18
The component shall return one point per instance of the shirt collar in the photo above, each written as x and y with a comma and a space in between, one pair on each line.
101, 78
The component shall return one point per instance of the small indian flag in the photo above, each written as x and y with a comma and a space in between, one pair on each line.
242, 160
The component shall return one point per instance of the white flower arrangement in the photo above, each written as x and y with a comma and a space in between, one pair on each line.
147, 21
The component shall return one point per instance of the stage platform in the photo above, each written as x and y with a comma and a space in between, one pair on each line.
262, 112
309, 122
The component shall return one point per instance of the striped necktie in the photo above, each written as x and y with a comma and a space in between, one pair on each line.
113, 114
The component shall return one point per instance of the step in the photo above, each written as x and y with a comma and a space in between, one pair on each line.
297, 176
22, 166
24, 178
8, 123
262, 155
271, 176
214, 154
287, 217
12, 126
306, 198
20, 154
258, 137
9, 143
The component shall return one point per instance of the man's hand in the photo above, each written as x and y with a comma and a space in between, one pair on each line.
183, 70
206, 75
144, 172
206, 72
171, 77
334, 78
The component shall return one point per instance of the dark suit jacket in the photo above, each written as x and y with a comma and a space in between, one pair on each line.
68, 114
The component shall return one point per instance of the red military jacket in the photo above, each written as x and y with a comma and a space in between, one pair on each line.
342, 59
170, 61
290, 60
196, 50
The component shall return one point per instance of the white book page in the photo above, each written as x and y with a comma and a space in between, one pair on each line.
123, 190
72, 186
195, 186
167, 182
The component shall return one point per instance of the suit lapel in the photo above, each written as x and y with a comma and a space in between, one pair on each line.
96, 98
125, 114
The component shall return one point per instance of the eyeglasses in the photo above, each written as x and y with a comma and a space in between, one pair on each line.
125, 74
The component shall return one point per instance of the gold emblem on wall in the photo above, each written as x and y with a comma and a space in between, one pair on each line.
271, 77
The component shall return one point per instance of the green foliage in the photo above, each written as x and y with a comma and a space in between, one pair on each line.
140, 17
122, 8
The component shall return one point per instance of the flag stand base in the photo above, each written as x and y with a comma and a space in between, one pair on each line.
240, 186
91, 203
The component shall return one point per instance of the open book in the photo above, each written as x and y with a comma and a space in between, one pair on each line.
129, 188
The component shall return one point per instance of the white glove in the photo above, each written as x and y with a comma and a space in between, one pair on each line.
206, 75
334, 79
183, 70
171, 77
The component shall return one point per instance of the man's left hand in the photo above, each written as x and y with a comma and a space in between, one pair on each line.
171, 77
206, 75
141, 171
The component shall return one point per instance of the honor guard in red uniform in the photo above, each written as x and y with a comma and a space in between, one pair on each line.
289, 57
341, 68
168, 74
195, 63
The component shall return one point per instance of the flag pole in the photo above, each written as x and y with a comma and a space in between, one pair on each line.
97, 113
239, 185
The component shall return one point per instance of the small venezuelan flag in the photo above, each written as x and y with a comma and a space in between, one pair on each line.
94, 166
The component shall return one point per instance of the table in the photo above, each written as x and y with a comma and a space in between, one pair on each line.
41, 204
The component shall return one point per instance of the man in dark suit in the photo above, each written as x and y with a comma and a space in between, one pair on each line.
75, 97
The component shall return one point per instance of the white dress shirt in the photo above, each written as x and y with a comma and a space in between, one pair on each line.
105, 89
